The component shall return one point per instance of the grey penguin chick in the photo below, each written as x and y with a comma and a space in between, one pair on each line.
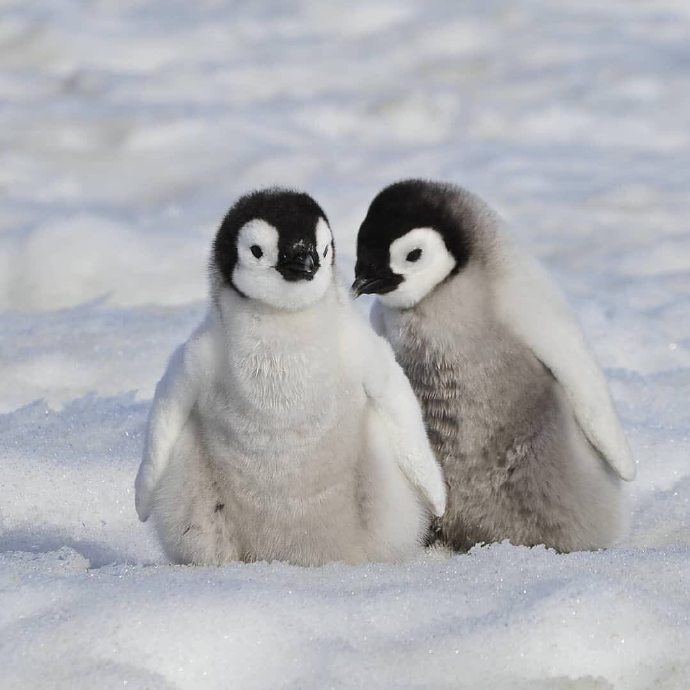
518, 412
284, 429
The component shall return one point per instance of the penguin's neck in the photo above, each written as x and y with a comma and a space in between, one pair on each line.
457, 311
274, 356
238, 315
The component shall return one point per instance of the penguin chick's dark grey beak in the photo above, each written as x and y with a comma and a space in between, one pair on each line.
299, 265
376, 284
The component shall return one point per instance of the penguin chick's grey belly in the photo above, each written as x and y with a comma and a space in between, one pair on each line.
516, 465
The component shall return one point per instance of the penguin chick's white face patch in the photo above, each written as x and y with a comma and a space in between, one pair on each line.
262, 274
423, 260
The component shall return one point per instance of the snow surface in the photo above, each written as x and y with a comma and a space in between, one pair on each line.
127, 127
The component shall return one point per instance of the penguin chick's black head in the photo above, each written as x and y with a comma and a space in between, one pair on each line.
294, 215
397, 209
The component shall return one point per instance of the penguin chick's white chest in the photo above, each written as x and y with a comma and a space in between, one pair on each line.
278, 423
283, 428
279, 375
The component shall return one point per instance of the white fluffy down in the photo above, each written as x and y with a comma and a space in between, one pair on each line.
288, 385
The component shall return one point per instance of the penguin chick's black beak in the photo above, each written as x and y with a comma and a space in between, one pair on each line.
299, 266
376, 284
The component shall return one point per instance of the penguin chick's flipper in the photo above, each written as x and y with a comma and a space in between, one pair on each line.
389, 391
173, 401
532, 308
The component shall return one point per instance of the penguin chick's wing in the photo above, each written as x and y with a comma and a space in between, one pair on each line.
175, 396
529, 304
388, 389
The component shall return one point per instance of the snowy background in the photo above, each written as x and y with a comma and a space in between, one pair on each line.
127, 127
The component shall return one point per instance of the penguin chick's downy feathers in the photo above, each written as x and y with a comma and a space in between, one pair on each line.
284, 428
529, 304
517, 409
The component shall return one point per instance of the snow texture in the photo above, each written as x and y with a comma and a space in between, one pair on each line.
127, 129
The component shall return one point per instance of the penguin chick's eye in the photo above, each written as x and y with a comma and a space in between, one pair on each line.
256, 250
414, 255
325, 251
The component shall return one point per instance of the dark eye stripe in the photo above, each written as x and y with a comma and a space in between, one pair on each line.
414, 255
256, 250
325, 251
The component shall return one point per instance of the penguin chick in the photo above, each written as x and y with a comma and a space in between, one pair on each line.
517, 410
283, 429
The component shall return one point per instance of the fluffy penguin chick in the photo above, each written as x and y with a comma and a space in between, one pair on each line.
283, 428
517, 410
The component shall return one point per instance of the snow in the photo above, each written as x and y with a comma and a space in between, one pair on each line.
127, 128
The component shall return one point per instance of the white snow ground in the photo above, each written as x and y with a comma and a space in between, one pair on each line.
126, 129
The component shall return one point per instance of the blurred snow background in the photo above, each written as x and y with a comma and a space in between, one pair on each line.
127, 127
